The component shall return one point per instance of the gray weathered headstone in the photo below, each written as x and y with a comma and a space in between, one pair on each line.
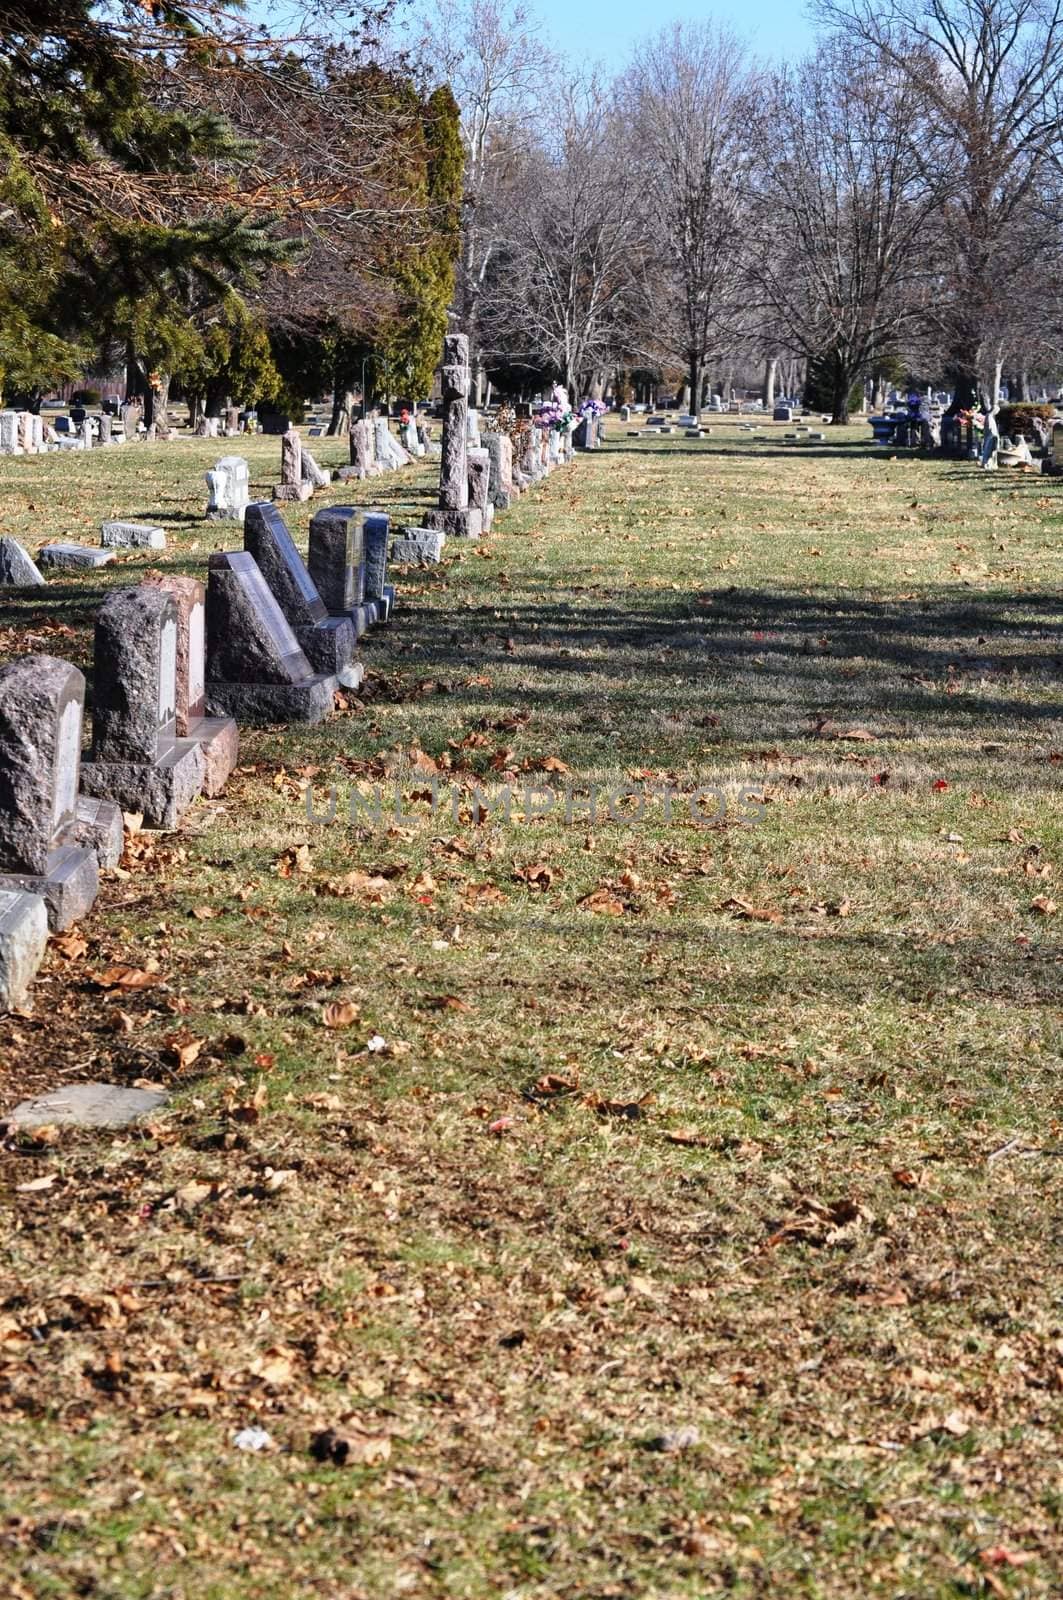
499, 448
23, 941
227, 483
292, 486
41, 705
418, 545
73, 556
137, 758
17, 570
479, 469
312, 473
132, 536
453, 515
256, 670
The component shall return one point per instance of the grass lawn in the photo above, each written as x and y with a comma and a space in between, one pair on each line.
664, 1203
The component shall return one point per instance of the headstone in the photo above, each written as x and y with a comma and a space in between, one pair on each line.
359, 445
479, 469
232, 421
256, 670
292, 485
312, 473
131, 415
73, 556
218, 737
9, 445
132, 536
86, 1105
329, 642
473, 427
23, 941
625, 413
41, 705
137, 758
781, 414
104, 437
227, 483
17, 570
453, 515
389, 452
337, 563
411, 439
418, 546
376, 527
500, 453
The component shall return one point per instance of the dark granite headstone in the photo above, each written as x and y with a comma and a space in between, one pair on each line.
376, 527
336, 558
137, 758
41, 705
256, 668
328, 641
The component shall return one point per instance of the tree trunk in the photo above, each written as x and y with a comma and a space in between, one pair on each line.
770, 369
841, 384
998, 371
342, 411
695, 375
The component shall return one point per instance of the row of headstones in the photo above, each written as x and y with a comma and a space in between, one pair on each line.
477, 474
269, 639
228, 483
24, 433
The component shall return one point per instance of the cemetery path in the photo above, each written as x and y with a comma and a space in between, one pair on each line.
663, 1201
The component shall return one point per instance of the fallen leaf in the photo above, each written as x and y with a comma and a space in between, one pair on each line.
1043, 906
37, 1185
184, 1048
555, 764
293, 861
127, 978
602, 903
71, 946
339, 1014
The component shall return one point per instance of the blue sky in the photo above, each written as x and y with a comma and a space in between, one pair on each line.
590, 31
605, 30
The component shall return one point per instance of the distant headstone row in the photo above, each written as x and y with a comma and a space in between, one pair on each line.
268, 639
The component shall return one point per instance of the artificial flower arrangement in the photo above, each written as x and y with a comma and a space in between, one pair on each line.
557, 411
592, 408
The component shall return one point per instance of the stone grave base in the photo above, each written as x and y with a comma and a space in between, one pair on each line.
132, 536
329, 646
23, 941
458, 524
293, 491
163, 790
68, 889
99, 828
219, 740
261, 704
419, 545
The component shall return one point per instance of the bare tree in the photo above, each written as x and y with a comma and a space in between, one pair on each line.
990, 76
842, 215
561, 295
694, 99
491, 54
